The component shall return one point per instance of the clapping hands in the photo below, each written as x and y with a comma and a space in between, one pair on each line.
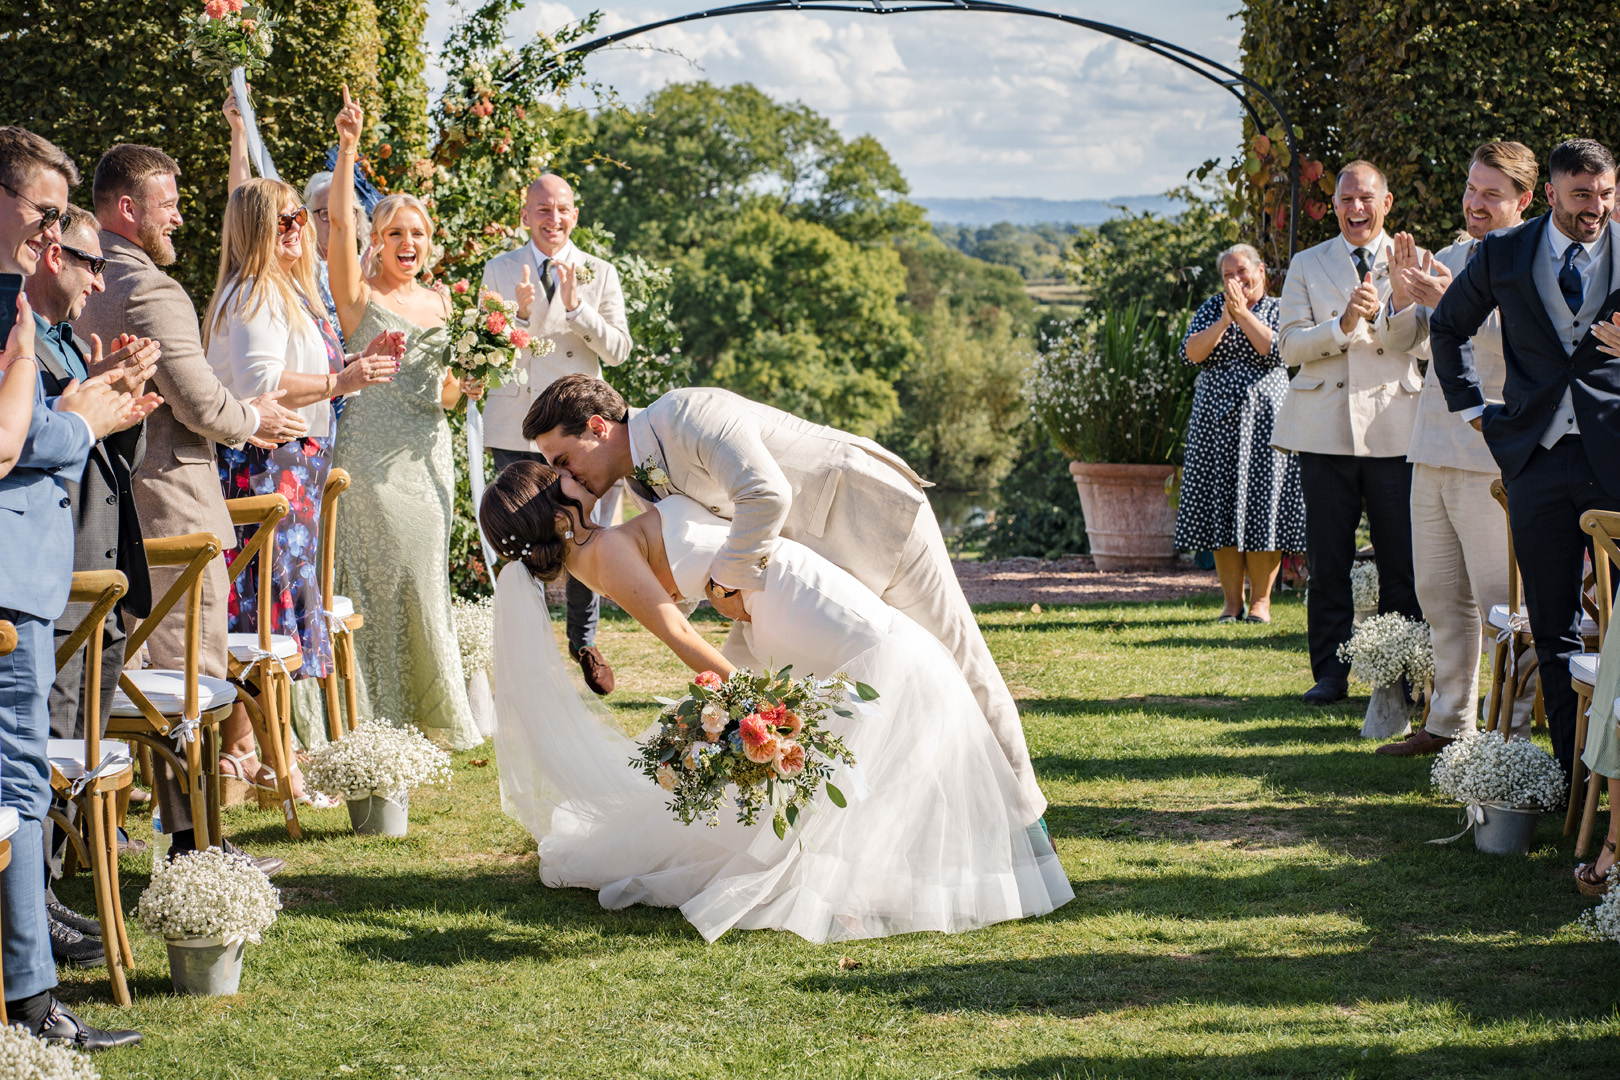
1363, 305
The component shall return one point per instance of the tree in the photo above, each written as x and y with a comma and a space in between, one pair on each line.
1166, 263
981, 293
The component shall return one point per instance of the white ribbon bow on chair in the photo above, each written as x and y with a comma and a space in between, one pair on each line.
186, 730
1518, 623
110, 763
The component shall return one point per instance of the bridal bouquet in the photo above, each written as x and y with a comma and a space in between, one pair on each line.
1385, 647
230, 34
488, 337
761, 733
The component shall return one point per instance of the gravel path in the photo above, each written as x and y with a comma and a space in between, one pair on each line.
1075, 581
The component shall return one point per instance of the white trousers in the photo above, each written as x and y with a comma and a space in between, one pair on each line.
1459, 558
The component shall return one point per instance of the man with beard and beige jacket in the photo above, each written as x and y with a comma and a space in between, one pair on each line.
176, 488
1348, 415
1459, 533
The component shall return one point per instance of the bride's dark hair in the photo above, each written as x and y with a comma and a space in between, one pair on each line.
519, 515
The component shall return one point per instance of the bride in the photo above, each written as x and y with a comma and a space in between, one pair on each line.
931, 838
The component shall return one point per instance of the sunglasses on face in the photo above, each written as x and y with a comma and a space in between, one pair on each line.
96, 263
48, 215
294, 220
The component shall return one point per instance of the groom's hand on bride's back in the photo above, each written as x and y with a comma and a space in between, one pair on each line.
728, 602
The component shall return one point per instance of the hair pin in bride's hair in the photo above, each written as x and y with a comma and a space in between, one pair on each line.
569, 535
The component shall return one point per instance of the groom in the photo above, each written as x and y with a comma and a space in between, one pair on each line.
773, 474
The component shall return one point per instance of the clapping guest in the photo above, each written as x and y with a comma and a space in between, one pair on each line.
393, 534
266, 331
1348, 416
1239, 497
1459, 534
176, 487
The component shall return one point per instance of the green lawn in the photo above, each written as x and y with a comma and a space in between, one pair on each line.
1253, 898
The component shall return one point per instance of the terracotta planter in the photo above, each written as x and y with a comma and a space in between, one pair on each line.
1129, 520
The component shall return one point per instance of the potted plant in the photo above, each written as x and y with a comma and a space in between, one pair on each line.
1115, 397
475, 631
1503, 784
374, 768
1384, 650
206, 906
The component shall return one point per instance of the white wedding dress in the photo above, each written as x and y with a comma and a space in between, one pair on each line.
930, 840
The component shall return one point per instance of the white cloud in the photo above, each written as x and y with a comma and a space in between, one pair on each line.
968, 104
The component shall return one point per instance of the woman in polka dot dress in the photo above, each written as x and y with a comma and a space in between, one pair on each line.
1239, 498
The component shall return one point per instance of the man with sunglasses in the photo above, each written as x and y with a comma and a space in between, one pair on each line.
106, 529
36, 566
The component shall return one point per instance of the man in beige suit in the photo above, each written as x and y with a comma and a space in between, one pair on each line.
574, 300
774, 475
1459, 533
177, 487
1348, 416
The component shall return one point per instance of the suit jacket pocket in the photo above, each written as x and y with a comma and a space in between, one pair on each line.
194, 453
818, 523
1303, 381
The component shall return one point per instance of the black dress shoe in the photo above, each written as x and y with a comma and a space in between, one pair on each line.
1327, 690
268, 865
62, 1026
68, 946
61, 913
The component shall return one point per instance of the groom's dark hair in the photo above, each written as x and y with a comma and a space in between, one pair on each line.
570, 402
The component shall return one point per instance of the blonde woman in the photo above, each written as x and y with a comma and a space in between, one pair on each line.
393, 532
265, 331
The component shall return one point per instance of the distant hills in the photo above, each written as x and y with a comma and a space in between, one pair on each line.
981, 212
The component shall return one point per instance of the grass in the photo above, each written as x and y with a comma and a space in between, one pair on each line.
1254, 899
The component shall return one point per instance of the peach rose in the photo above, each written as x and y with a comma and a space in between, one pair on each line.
709, 680
763, 752
236, 5
216, 9
666, 778
790, 725
758, 739
460, 288
495, 323
520, 339
789, 760
715, 719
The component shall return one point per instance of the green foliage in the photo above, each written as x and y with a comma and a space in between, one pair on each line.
787, 312
1035, 251
969, 286
1415, 86
1116, 391
656, 364
402, 80
1038, 509
1166, 264
87, 76
670, 175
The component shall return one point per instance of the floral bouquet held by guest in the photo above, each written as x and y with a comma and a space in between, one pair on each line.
761, 733
230, 34
488, 338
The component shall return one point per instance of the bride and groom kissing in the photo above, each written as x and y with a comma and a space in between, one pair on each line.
822, 548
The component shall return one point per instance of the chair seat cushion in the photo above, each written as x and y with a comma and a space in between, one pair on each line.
8, 821
243, 646
167, 691
1498, 619
1583, 667
342, 607
67, 755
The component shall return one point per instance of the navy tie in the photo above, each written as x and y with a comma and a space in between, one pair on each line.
1569, 280
1363, 264
545, 280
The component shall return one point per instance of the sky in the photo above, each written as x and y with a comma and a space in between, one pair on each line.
968, 104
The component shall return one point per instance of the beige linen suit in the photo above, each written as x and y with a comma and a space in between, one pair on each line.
1459, 533
845, 497
596, 335
177, 487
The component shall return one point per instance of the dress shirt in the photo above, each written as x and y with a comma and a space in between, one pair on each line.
1378, 244
568, 253
249, 354
48, 336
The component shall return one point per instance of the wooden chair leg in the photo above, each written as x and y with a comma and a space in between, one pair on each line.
199, 799
1498, 676
103, 868
334, 719
351, 692
121, 802
1577, 771
211, 741
118, 909
273, 722
143, 761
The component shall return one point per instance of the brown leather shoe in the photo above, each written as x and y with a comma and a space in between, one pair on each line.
598, 676
1420, 741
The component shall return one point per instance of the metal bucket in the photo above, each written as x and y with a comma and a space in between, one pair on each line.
377, 816
1505, 830
206, 966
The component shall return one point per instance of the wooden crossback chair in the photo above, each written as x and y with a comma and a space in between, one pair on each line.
175, 715
262, 663
341, 618
91, 772
8, 816
1511, 628
1604, 528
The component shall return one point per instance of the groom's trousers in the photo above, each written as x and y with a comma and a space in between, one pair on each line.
926, 589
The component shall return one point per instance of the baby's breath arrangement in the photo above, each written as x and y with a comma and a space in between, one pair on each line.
1364, 586
377, 758
1485, 768
209, 894
23, 1057
1385, 647
1603, 921
475, 630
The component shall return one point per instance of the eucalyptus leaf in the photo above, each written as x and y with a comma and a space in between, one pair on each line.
836, 796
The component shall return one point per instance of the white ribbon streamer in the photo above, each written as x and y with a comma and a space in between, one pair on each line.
257, 154
1473, 814
475, 477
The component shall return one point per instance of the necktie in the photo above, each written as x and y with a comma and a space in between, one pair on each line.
63, 333
1363, 264
1569, 280
545, 280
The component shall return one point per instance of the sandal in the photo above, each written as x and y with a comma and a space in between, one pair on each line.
243, 775
1589, 880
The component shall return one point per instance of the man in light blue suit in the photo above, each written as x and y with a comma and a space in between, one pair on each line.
36, 568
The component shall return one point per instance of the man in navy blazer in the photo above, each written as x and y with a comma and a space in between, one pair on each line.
1556, 434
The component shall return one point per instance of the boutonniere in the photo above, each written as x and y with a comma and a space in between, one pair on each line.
651, 474
584, 273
